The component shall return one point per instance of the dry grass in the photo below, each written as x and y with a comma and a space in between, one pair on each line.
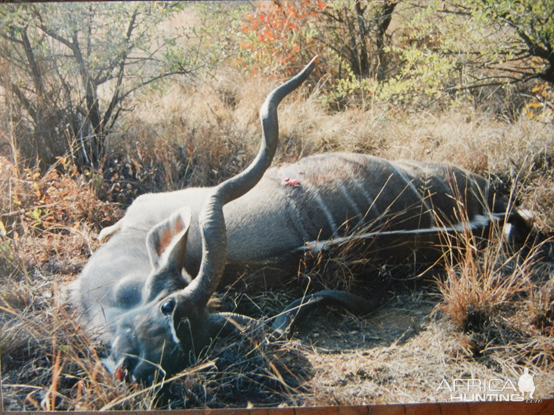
215, 119
492, 296
490, 317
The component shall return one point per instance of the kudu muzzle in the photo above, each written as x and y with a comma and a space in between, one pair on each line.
156, 316
173, 325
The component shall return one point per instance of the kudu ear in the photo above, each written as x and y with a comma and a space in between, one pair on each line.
167, 243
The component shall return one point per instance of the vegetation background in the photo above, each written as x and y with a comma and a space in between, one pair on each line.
101, 102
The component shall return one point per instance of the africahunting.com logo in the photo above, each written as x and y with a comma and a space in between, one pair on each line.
498, 390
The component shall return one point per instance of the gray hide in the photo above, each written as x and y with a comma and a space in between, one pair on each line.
294, 206
132, 289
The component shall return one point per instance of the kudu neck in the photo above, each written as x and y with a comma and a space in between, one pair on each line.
214, 238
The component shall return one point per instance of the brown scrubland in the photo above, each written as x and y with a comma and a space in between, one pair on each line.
486, 314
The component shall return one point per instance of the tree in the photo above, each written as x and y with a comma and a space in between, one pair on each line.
443, 49
356, 31
287, 32
71, 67
508, 41
527, 51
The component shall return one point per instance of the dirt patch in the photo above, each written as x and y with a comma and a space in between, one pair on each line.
404, 352
401, 354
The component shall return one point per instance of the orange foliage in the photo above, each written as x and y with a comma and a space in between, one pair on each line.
279, 36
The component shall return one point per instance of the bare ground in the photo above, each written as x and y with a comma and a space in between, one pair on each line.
401, 353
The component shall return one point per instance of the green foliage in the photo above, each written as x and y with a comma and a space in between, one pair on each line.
282, 36
534, 17
70, 69
72, 66
422, 77
444, 51
499, 42
530, 35
216, 31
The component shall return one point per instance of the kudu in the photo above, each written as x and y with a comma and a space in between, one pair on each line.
137, 286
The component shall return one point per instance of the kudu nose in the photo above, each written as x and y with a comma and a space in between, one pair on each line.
125, 368
147, 373
136, 370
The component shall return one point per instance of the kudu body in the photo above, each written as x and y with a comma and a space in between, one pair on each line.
155, 317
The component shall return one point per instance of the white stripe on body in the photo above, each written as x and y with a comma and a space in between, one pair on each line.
325, 210
411, 185
349, 199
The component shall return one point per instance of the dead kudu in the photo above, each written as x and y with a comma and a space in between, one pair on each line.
137, 288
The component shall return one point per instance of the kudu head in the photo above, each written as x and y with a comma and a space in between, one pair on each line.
173, 324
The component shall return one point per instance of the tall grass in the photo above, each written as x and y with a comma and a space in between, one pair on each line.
497, 303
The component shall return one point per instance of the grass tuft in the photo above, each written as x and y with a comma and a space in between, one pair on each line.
493, 306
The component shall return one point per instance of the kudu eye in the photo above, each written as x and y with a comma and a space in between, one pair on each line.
168, 307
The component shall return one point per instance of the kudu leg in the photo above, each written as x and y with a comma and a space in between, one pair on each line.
297, 310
